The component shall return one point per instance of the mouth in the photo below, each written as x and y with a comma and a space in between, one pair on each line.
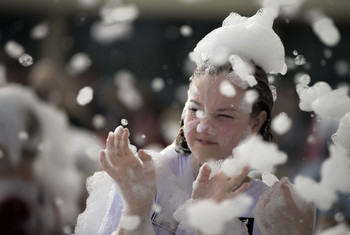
206, 142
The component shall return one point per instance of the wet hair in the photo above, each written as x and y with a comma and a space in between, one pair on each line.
264, 102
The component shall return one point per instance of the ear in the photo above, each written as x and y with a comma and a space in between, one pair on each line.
257, 122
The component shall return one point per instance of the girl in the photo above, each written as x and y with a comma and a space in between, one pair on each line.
212, 126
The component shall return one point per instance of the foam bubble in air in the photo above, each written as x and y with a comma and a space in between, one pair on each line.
79, 63
323, 26
186, 30
281, 123
40, 31
260, 155
227, 89
342, 136
335, 169
312, 191
85, 96
14, 49
334, 104
126, 90
108, 33
309, 94
119, 13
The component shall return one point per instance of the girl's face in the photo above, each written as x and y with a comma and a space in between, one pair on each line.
214, 123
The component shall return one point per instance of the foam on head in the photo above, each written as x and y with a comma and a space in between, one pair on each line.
251, 38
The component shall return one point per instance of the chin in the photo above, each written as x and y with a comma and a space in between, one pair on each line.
205, 157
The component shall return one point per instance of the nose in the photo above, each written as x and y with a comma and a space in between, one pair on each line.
205, 126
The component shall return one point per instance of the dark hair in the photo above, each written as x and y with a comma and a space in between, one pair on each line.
263, 103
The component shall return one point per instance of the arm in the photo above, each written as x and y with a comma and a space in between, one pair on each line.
135, 176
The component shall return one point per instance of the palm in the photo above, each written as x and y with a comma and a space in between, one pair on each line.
135, 175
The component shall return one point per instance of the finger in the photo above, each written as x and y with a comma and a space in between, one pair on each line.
144, 157
110, 142
235, 193
106, 165
237, 181
118, 129
118, 139
204, 173
125, 141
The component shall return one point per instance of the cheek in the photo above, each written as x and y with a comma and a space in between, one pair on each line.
231, 136
190, 125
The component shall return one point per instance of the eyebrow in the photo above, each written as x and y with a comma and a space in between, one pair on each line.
227, 109
233, 109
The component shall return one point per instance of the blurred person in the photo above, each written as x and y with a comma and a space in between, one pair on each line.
44, 161
26, 207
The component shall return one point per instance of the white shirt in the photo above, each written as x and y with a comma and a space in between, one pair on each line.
174, 188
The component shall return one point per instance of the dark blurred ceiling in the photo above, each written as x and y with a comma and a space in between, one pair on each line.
336, 9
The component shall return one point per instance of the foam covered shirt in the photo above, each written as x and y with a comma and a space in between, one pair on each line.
175, 179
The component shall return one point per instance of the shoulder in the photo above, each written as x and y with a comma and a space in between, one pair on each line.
176, 161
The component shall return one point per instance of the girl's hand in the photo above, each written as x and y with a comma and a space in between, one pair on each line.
220, 186
280, 211
135, 175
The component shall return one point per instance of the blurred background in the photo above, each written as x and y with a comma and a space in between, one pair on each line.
103, 63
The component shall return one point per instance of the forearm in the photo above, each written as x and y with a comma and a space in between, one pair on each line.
144, 228
133, 224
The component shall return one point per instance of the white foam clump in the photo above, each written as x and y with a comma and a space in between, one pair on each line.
251, 38
342, 136
323, 26
302, 78
312, 191
250, 96
281, 123
309, 94
269, 179
334, 104
119, 13
323, 194
126, 90
339, 229
130, 222
334, 179
40, 30
85, 95
227, 89
324, 101
211, 217
14, 49
288, 9
26, 60
230, 166
260, 155
243, 70
79, 63
157, 84
109, 33
99, 188
186, 30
